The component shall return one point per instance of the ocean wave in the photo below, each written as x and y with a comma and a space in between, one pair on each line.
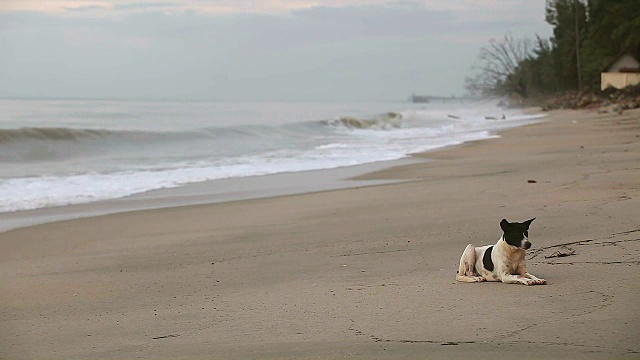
67, 134
36, 144
55, 164
83, 135
384, 121
54, 134
88, 135
49, 144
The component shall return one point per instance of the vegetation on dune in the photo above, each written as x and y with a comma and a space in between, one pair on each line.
587, 36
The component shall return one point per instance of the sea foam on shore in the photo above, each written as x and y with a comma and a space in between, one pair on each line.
57, 153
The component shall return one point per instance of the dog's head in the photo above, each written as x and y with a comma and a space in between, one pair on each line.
516, 234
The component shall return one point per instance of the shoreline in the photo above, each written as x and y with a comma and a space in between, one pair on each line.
209, 192
365, 272
233, 189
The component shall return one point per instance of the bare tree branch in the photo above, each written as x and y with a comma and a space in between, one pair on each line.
498, 71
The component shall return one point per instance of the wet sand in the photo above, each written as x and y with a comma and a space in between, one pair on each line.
365, 272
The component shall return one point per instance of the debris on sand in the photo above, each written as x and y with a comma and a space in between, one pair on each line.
564, 252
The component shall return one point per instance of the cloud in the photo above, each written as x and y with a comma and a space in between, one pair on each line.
51, 6
146, 5
207, 6
367, 50
479, 8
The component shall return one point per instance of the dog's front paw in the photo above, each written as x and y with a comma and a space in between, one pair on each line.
535, 282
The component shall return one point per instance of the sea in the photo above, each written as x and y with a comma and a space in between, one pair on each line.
63, 152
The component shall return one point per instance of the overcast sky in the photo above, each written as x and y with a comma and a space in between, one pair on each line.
254, 50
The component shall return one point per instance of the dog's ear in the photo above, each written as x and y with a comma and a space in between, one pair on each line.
504, 225
528, 222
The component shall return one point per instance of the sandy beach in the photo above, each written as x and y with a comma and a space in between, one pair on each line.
365, 272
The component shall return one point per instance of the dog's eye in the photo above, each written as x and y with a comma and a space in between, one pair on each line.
526, 233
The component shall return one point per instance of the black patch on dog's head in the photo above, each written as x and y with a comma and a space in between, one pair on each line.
486, 259
515, 232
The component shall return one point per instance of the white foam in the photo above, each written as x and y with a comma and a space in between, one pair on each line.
332, 146
37, 192
422, 130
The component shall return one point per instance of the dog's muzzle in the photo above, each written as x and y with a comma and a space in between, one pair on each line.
526, 245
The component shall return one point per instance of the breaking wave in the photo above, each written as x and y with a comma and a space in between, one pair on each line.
55, 134
62, 134
62, 156
384, 121
56, 143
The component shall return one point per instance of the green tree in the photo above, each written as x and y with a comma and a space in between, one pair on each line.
568, 18
614, 25
613, 28
587, 35
540, 69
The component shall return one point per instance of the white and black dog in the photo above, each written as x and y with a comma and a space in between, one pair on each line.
503, 261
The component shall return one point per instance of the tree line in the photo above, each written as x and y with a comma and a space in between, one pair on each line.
587, 36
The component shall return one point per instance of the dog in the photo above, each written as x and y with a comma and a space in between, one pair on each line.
503, 261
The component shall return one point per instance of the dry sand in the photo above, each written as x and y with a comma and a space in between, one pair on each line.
357, 273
